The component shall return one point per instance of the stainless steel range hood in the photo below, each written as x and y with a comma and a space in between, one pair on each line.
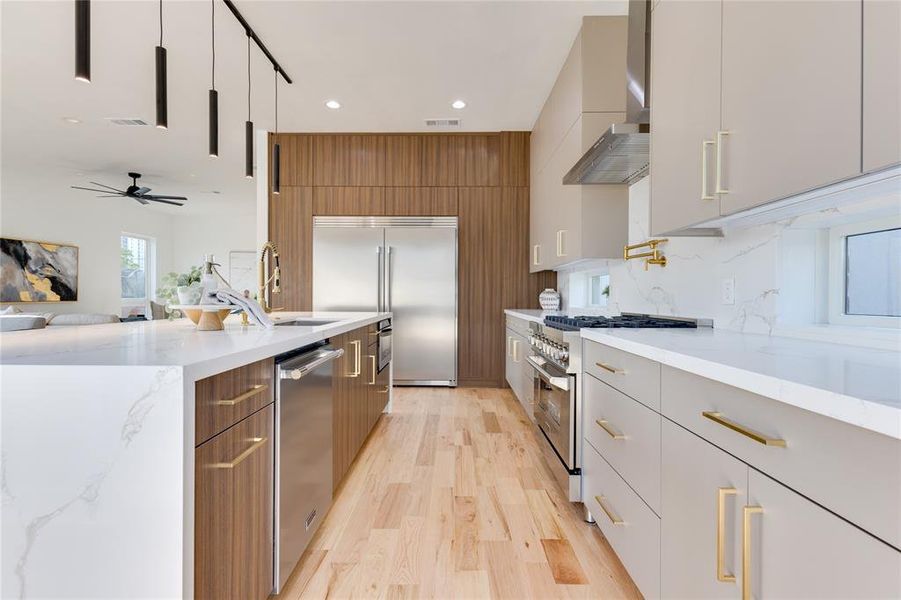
622, 153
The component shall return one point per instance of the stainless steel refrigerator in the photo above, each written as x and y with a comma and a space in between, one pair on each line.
406, 265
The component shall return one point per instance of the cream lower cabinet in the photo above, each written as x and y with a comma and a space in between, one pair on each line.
518, 371
704, 490
729, 531
796, 549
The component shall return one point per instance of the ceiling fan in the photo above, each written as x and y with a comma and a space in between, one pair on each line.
139, 194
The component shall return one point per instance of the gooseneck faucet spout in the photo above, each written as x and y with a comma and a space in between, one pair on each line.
265, 279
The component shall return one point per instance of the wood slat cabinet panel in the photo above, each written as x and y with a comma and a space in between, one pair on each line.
296, 151
350, 401
291, 229
233, 501
441, 157
481, 336
348, 160
514, 161
421, 201
222, 400
480, 160
516, 283
349, 201
403, 160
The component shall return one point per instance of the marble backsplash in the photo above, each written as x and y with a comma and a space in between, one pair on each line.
690, 284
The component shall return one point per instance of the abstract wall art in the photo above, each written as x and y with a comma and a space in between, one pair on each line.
38, 271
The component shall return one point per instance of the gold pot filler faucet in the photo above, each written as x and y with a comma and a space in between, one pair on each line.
265, 279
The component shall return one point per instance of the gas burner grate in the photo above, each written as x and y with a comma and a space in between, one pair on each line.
622, 321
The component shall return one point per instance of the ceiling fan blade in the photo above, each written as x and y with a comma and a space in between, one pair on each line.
108, 187
141, 191
155, 196
110, 196
141, 200
76, 187
156, 199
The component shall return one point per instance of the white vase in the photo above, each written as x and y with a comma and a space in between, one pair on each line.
549, 299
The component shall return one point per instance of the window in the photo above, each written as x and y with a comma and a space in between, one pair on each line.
587, 289
865, 274
598, 290
135, 273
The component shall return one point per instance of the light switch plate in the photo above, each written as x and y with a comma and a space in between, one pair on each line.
727, 290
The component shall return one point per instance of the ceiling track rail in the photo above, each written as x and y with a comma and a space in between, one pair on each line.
252, 34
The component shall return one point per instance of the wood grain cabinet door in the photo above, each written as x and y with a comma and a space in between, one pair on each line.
685, 38
796, 549
881, 83
791, 98
703, 492
233, 501
340, 407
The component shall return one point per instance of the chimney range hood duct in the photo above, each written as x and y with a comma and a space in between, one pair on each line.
622, 153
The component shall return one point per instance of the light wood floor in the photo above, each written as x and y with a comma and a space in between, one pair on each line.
451, 498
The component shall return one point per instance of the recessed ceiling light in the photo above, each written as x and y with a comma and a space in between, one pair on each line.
458, 104
333, 104
72, 120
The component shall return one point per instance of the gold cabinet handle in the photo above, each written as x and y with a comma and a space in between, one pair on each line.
384, 391
536, 254
614, 370
255, 390
614, 518
357, 366
721, 574
719, 162
748, 512
705, 195
745, 431
372, 359
605, 425
258, 442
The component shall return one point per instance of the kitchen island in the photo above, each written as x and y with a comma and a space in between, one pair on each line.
98, 446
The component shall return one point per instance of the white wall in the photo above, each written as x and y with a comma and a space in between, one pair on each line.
47, 210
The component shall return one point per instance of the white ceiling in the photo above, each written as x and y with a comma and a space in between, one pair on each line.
390, 64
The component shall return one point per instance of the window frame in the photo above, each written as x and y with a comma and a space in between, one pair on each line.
837, 274
149, 275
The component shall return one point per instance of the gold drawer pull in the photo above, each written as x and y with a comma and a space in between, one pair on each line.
602, 502
257, 443
721, 574
757, 437
749, 511
255, 390
605, 425
384, 391
614, 370
372, 359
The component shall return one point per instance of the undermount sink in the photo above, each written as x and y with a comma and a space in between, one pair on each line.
306, 322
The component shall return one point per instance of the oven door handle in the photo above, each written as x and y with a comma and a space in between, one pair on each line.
561, 383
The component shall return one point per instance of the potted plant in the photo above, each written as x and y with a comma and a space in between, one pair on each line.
180, 288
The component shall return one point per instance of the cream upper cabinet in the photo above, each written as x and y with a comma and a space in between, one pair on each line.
572, 222
704, 490
881, 83
791, 99
685, 75
795, 549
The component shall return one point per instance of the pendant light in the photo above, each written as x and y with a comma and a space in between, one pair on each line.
83, 40
248, 125
162, 111
214, 95
276, 150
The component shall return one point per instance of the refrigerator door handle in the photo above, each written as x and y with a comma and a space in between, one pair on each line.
380, 293
388, 279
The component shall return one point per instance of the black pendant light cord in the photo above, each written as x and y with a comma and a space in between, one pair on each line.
161, 22
276, 102
213, 41
248, 76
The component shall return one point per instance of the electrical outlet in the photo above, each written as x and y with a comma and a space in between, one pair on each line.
727, 290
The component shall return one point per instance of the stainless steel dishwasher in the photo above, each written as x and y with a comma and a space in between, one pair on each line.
303, 457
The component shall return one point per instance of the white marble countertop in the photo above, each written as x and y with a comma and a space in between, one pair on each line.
172, 343
856, 385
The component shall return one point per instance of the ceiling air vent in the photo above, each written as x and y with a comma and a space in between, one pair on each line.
444, 123
126, 121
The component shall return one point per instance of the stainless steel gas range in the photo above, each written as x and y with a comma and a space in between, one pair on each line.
557, 362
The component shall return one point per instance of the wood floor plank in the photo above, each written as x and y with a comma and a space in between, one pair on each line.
564, 565
452, 497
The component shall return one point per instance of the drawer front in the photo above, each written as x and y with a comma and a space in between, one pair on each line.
222, 400
632, 528
520, 326
632, 375
627, 435
851, 471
